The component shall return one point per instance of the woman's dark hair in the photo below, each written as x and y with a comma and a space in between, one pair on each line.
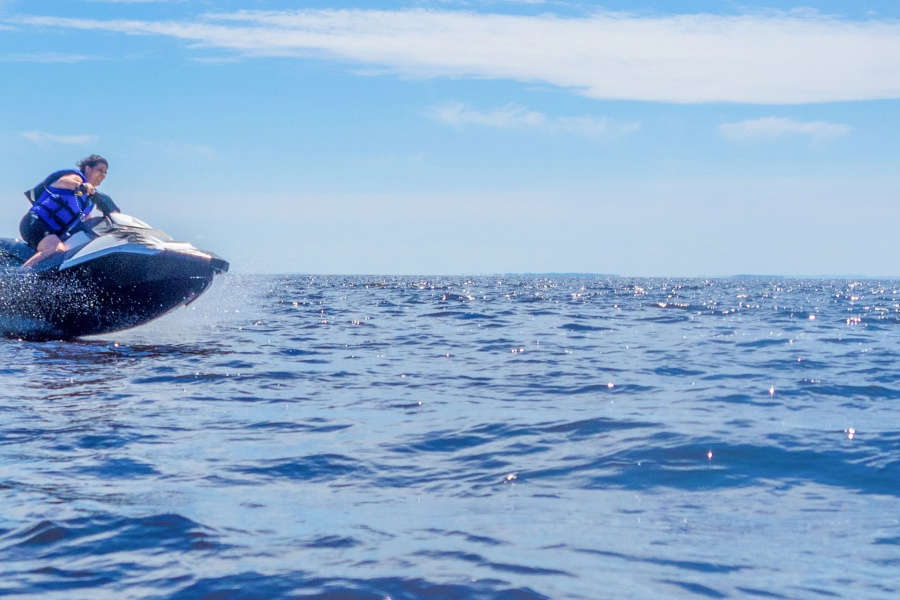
92, 161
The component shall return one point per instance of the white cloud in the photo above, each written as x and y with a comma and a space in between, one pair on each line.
517, 117
771, 58
45, 57
510, 117
42, 138
136, 1
769, 129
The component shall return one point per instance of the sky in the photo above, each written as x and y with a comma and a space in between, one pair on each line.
637, 138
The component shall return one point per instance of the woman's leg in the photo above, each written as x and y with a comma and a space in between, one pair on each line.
47, 247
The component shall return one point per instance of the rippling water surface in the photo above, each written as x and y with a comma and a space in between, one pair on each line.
492, 437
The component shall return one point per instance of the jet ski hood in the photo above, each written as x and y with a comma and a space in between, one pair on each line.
118, 233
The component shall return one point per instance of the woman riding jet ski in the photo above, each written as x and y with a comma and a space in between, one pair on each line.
75, 275
59, 204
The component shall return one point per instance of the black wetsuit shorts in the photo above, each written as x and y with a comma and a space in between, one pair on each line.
33, 230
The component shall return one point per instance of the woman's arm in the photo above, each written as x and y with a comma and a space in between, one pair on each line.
70, 181
74, 182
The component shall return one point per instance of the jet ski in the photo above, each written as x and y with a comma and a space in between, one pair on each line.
117, 273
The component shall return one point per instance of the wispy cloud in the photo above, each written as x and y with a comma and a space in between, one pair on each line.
46, 57
769, 129
136, 1
771, 58
42, 138
518, 117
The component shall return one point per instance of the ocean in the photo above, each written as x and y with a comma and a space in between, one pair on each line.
509, 437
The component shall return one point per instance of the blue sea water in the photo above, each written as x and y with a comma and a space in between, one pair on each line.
441, 437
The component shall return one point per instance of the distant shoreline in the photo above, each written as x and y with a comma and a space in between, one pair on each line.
585, 275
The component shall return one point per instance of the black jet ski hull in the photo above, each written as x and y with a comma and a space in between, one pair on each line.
110, 294
123, 275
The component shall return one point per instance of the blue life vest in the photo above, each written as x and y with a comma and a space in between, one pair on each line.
60, 209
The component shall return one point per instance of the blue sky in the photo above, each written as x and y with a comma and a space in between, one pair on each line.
694, 138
